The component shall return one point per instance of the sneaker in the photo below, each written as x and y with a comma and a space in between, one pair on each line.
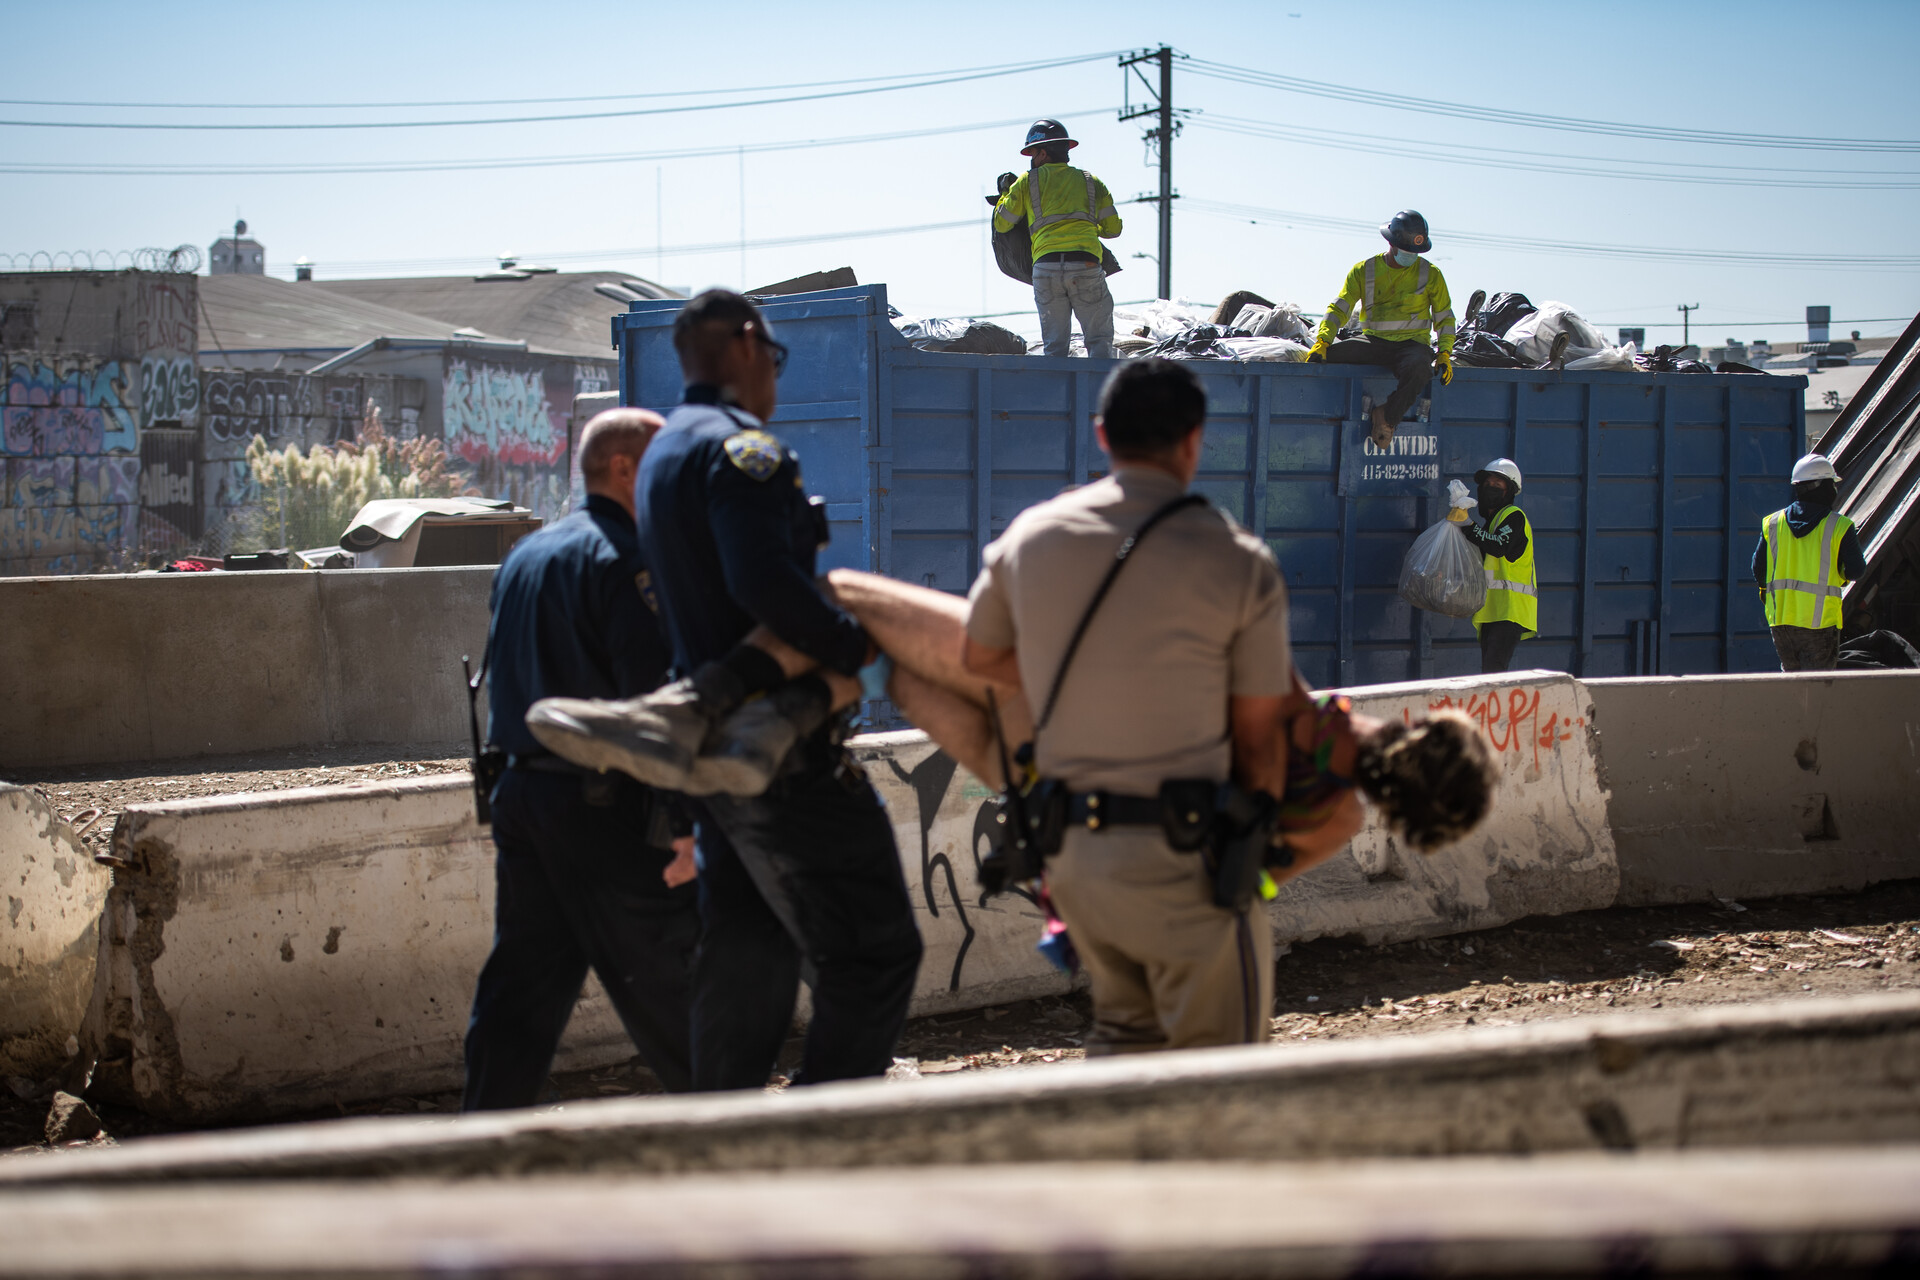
1382, 433
1557, 353
748, 750
1473, 306
653, 738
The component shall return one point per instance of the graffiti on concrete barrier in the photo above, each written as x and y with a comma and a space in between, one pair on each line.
163, 317
490, 413
169, 390
1511, 720
929, 780
67, 405
108, 479
40, 482
282, 408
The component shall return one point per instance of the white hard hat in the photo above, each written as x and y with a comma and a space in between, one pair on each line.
1501, 466
1814, 467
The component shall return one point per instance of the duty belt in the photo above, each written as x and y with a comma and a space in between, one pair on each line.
1097, 810
545, 762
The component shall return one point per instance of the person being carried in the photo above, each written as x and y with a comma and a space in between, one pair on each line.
1403, 299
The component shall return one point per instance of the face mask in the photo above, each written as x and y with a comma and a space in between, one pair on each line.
1401, 258
1492, 498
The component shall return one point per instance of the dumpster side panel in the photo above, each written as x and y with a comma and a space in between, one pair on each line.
1645, 491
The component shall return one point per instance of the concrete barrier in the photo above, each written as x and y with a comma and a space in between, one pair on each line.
144, 667
53, 892
284, 951
1851, 1212
1781, 1074
1758, 785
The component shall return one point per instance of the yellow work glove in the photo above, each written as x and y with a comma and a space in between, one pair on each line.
1317, 352
1445, 365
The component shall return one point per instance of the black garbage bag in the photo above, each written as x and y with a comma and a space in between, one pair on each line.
1478, 349
962, 336
1662, 360
1877, 651
1013, 248
1501, 313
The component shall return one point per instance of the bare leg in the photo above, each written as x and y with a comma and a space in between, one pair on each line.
956, 726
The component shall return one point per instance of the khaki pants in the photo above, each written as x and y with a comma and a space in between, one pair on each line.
1169, 969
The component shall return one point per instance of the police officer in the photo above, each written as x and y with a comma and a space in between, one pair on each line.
585, 875
1505, 539
1807, 552
1069, 212
1403, 297
808, 869
1182, 674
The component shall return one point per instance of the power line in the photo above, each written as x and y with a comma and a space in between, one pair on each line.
1565, 248
921, 83
511, 162
1003, 67
1576, 166
1534, 120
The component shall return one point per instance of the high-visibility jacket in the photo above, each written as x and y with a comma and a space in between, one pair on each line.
1513, 591
1803, 574
1396, 303
1065, 208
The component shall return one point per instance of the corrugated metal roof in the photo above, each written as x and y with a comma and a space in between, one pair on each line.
554, 311
261, 313
1875, 446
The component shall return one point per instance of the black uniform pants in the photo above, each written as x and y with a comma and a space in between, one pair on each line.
577, 887
808, 872
1411, 362
1498, 640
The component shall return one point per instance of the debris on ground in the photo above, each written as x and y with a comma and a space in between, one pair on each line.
70, 1119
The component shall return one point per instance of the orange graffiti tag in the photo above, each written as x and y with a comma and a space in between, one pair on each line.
1510, 723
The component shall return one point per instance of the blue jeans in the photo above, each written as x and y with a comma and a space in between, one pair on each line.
808, 873
1064, 291
577, 886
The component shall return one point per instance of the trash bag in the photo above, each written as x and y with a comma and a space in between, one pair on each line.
1501, 313
1587, 347
1258, 348
1443, 573
1876, 651
1273, 320
1478, 349
961, 336
1663, 360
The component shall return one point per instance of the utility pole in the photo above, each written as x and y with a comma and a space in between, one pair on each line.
1686, 323
1159, 137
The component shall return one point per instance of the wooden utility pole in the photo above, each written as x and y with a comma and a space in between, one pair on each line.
1161, 138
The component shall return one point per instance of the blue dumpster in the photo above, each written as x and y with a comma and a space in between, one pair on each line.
1634, 482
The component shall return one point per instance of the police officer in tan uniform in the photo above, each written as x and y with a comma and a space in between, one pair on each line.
1180, 674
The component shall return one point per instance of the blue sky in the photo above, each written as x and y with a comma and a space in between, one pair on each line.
1837, 70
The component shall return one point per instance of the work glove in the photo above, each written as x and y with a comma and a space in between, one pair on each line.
1444, 364
1003, 183
1317, 352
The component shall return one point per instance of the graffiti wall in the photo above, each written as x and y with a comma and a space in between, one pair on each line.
68, 405
507, 418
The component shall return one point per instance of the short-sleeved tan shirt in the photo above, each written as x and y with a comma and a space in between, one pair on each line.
1198, 615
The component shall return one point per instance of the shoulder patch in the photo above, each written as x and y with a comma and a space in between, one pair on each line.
756, 453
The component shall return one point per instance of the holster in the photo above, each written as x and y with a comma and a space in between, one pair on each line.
1239, 844
487, 765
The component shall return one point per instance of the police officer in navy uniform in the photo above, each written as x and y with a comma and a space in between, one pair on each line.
589, 872
806, 871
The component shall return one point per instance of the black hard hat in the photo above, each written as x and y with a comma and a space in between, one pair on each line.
1408, 231
1046, 133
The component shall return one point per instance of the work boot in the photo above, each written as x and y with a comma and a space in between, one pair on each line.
1382, 433
653, 738
1473, 306
750, 746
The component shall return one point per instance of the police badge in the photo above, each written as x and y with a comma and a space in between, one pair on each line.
756, 453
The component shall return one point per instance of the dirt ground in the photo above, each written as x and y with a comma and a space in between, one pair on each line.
1625, 958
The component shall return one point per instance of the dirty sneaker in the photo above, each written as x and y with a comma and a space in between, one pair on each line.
1382, 433
653, 738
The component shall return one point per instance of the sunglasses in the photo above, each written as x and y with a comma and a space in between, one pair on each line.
778, 350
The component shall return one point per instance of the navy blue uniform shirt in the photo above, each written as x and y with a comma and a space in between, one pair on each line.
727, 535
569, 620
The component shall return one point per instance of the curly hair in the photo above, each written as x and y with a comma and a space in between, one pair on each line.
1433, 780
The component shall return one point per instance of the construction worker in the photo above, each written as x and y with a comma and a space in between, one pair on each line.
1512, 611
1069, 212
1806, 553
1397, 292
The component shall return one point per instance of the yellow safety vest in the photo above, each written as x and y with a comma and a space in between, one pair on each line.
1803, 574
1513, 592
1395, 302
1066, 209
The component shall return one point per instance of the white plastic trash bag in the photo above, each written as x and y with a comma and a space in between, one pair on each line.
1443, 572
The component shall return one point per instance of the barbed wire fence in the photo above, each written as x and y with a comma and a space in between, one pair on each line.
179, 260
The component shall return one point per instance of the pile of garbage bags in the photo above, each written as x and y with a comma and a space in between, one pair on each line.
1179, 330
963, 336
1509, 332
